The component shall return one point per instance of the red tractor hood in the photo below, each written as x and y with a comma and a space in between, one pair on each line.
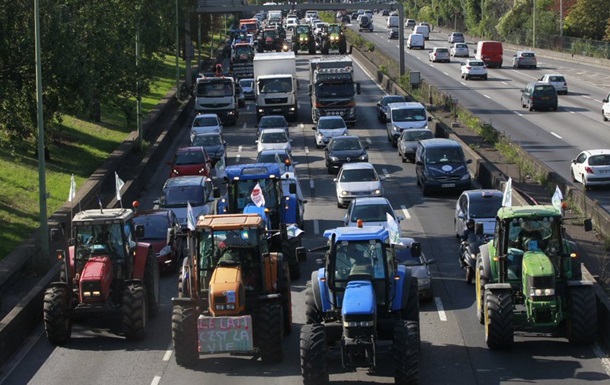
95, 279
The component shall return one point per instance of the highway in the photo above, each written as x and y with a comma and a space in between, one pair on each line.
453, 349
552, 137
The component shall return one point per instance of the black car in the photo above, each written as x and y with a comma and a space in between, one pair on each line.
355, 16
385, 12
346, 18
213, 144
273, 121
539, 96
158, 224
382, 105
393, 34
344, 149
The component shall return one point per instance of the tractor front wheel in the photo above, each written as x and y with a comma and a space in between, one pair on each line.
151, 283
57, 323
312, 313
405, 351
582, 324
184, 334
313, 355
499, 331
270, 333
134, 312
480, 282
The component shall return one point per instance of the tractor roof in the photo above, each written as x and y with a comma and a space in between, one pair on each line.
253, 171
230, 221
97, 216
528, 211
358, 233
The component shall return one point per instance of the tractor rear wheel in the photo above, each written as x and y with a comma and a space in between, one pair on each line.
134, 312
270, 333
184, 334
411, 312
499, 331
57, 323
325, 47
480, 281
313, 315
151, 283
582, 325
405, 352
342, 45
313, 355
286, 299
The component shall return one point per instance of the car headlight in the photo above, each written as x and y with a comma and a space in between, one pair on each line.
376, 192
320, 136
344, 193
465, 177
334, 159
364, 157
395, 128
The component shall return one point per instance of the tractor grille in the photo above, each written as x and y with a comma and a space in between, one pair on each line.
359, 326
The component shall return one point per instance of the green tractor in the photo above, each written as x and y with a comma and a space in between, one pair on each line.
529, 277
303, 40
333, 38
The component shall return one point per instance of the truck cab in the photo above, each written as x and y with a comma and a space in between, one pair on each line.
217, 95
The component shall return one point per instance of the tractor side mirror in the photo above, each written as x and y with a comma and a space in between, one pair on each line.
170, 236
478, 228
588, 225
139, 231
415, 249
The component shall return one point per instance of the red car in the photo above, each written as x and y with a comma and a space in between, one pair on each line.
190, 161
164, 233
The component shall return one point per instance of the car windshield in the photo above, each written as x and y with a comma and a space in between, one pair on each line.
527, 54
271, 157
214, 90
557, 79
331, 124
326, 89
413, 135
350, 144
207, 140
442, 50
461, 45
544, 89
445, 155
155, 226
485, 207
599, 160
359, 175
272, 121
409, 115
392, 99
189, 157
303, 29
205, 121
274, 137
371, 213
179, 196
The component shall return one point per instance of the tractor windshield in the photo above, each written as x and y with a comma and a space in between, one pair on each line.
100, 239
334, 29
242, 191
533, 234
358, 258
302, 29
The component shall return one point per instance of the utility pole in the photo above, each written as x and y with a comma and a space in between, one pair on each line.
177, 53
534, 27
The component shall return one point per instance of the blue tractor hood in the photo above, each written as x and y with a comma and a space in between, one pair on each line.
359, 299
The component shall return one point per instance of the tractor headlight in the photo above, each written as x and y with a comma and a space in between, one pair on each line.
358, 324
542, 292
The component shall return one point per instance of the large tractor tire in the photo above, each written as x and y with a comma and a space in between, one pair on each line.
151, 284
184, 288
286, 299
582, 323
184, 334
57, 323
134, 312
325, 47
405, 353
313, 355
499, 331
270, 333
342, 45
295, 48
312, 46
481, 279
411, 311
313, 315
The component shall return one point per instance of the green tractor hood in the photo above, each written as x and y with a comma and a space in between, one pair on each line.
537, 264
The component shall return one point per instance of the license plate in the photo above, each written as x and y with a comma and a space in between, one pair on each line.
277, 110
447, 185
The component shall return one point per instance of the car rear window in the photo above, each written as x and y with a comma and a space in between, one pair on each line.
205, 122
413, 135
599, 160
477, 64
544, 89
442, 50
557, 79
528, 54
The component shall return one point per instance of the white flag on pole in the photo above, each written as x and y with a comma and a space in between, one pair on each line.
72, 193
190, 217
393, 229
257, 196
119, 185
220, 168
507, 200
557, 198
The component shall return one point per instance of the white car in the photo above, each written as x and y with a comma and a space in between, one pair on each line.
205, 123
439, 54
459, 50
273, 139
291, 23
473, 68
328, 127
606, 108
318, 27
357, 179
591, 168
556, 80
372, 211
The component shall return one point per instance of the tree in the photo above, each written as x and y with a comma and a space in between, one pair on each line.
587, 19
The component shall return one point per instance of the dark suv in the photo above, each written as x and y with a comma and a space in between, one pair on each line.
539, 96
366, 23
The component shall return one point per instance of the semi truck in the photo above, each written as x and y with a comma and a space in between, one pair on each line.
217, 94
332, 88
276, 84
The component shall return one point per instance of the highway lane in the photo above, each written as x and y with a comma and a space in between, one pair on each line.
553, 137
452, 349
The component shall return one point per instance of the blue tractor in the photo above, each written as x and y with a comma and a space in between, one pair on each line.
282, 210
360, 296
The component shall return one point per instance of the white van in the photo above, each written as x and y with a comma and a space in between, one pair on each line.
423, 30
416, 40
392, 22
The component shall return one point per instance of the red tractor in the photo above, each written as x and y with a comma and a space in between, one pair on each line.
105, 272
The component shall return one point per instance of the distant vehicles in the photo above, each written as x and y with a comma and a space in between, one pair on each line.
459, 50
247, 87
456, 37
365, 24
539, 96
213, 144
282, 157
408, 253
181, 191
357, 179
190, 161
416, 40
273, 121
410, 24
606, 108
591, 168
205, 123
490, 52
439, 54
407, 142
525, 59
556, 80
163, 232
273, 139
472, 68
393, 33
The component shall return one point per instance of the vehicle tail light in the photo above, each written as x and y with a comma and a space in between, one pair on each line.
468, 68
589, 170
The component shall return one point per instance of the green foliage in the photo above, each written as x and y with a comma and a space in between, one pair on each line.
588, 19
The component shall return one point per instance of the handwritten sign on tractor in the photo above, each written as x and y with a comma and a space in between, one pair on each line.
225, 334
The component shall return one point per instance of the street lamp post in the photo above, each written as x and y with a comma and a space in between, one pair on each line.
138, 94
177, 54
534, 26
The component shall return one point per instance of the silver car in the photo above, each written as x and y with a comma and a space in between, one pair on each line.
327, 128
205, 123
459, 50
408, 253
357, 179
525, 59
407, 142
456, 37
439, 54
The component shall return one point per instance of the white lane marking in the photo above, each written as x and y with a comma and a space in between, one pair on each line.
555, 135
307, 150
505, 83
385, 172
244, 126
301, 126
168, 353
440, 309
405, 212
603, 358
239, 149
586, 97
486, 96
316, 227
462, 83
518, 113
312, 185
446, 73
156, 380
368, 140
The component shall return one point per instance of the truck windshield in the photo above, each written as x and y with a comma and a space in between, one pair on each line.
270, 86
215, 89
244, 190
344, 90
243, 50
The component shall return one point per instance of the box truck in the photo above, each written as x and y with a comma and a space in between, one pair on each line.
276, 84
